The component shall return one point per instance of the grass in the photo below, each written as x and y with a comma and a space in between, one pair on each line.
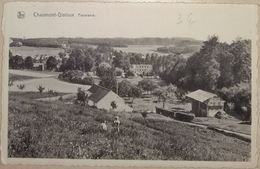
14, 77
232, 125
59, 130
34, 95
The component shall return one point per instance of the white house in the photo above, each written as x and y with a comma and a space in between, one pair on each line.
141, 69
102, 98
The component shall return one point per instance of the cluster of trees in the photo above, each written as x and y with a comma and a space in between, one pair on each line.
18, 62
217, 67
79, 59
76, 76
126, 89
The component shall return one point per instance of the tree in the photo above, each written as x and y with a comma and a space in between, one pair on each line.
88, 63
109, 82
82, 96
28, 62
241, 49
119, 72
51, 63
16, 62
62, 54
135, 92
165, 93
124, 88
118, 60
104, 69
240, 95
147, 85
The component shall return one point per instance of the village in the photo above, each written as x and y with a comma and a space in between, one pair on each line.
126, 85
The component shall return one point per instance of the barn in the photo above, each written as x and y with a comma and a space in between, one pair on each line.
205, 104
101, 98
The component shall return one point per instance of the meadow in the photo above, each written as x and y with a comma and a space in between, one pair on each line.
59, 130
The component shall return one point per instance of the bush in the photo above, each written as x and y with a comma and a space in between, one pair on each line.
87, 80
41, 88
129, 74
82, 96
184, 116
21, 86
52, 92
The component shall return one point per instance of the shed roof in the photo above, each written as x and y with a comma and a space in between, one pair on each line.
200, 95
98, 92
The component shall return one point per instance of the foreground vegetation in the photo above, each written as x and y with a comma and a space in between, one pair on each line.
59, 130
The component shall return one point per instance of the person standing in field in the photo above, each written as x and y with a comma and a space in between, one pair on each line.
104, 126
116, 123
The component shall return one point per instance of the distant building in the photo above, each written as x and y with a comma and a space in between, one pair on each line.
102, 98
141, 69
205, 104
39, 66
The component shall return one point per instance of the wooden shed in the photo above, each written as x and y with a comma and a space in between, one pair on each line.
205, 104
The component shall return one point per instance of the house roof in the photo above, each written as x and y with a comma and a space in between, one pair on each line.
200, 95
98, 92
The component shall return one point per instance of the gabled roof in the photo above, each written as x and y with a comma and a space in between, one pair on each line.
98, 92
201, 95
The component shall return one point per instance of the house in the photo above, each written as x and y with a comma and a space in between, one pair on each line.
39, 66
205, 104
141, 69
102, 98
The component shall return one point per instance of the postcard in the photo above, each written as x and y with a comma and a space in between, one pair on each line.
129, 84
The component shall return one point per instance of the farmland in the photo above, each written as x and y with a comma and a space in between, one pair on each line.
57, 130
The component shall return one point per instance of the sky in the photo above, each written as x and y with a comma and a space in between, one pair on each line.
133, 20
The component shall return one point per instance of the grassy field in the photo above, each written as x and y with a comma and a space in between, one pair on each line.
59, 130
33, 51
15, 77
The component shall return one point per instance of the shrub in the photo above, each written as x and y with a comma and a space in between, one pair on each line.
81, 96
41, 88
144, 114
119, 72
52, 92
129, 74
184, 116
87, 80
21, 86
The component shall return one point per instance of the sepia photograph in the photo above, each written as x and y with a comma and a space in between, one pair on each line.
129, 81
